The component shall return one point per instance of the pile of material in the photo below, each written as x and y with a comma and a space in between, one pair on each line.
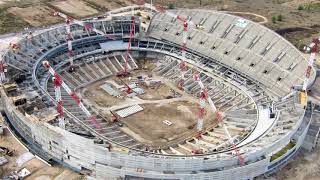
6, 151
15, 175
3, 161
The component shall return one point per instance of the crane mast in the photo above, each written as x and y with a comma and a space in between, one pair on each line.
69, 21
126, 72
84, 24
69, 39
187, 24
236, 150
57, 84
313, 48
73, 95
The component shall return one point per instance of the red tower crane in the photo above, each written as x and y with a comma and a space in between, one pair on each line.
58, 82
126, 72
236, 150
313, 48
69, 21
202, 111
187, 24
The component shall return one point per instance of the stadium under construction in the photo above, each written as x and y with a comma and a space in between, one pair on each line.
144, 92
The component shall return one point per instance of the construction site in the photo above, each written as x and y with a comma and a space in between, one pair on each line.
150, 91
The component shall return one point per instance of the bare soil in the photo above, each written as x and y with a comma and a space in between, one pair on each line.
305, 166
76, 8
109, 4
35, 15
148, 125
101, 98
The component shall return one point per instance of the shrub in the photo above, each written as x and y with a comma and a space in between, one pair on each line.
300, 7
274, 19
279, 17
171, 6
138, 14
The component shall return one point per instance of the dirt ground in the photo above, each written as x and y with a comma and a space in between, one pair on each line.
101, 98
104, 100
39, 170
147, 126
74, 7
151, 130
35, 15
109, 4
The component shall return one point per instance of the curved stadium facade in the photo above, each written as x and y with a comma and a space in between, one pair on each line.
249, 70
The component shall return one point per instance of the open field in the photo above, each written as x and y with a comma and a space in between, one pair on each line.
34, 15
108, 4
74, 7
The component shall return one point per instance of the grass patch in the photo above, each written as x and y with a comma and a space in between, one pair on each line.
309, 6
282, 151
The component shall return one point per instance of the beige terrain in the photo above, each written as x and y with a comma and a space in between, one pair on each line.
35, 15
74, 7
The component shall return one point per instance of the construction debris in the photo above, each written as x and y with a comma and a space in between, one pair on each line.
10, 88
16, 175
6, 151
3, 161
23, 173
